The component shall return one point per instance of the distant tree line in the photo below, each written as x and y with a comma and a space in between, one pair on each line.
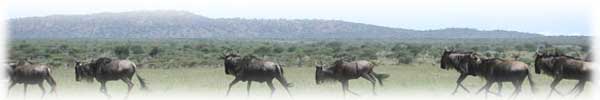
186, 53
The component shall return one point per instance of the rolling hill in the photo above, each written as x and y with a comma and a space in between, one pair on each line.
181, 24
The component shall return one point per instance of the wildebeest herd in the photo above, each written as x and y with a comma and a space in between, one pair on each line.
250, 69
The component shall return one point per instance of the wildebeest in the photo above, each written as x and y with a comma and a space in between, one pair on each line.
563, 67
28, 73
107, 69
250, 68
343, 71
456, 60
499, 70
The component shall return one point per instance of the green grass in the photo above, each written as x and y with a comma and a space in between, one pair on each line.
425, 80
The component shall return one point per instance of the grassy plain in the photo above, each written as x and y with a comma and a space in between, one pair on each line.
414, 81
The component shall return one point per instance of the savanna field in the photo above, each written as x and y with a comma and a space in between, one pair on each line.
192, 68
428, 81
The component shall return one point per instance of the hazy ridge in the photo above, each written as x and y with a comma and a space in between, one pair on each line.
181, 24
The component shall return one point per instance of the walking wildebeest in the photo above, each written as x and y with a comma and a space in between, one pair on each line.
106, 69
455, 60
563, 67
250, 68
499, 70
343, 71
28, 73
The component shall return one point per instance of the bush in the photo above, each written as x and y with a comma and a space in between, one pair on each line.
122, 52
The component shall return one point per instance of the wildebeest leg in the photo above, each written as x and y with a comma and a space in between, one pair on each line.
459, 84
24, 91
41, 85
371, 78
499, 93
285, 84
581, 87
345, 87
52, 84
103, 89
487, 90
574, 88
231, 84
248, 88
270, 84
517, 84
553, 87
9, 87
577, 86
486, 86
129, 86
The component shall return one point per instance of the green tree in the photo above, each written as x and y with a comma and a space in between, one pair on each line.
122, 52
155, 51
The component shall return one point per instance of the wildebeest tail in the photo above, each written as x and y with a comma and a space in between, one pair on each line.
142, 80
381, 77
51, 81
531, 84
281, 78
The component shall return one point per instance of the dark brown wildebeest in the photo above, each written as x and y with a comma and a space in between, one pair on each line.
563, 67
250, 68
106, 69
28, 73
500, 70
452, 59
343, 71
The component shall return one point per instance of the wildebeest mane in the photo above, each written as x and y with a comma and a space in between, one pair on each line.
101, 61
460, 51
559, 55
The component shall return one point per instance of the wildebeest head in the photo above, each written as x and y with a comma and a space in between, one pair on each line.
456, 60
83, 71
12, 65
542, 60
537, 62
231, 61
445, 59
322, 74
10, 69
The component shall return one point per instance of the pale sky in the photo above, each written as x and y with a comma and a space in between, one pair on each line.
550, 17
